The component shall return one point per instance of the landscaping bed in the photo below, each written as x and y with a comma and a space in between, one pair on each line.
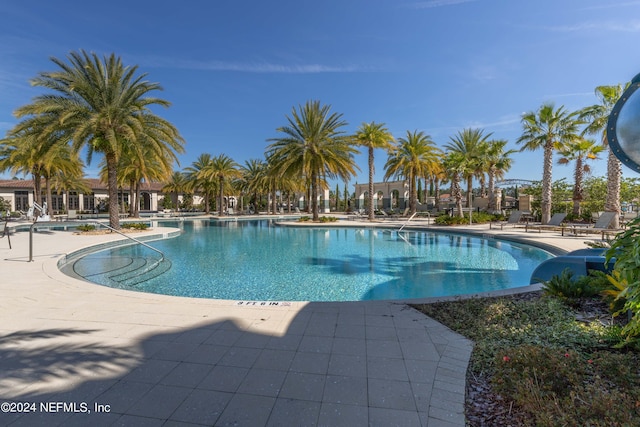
538, 361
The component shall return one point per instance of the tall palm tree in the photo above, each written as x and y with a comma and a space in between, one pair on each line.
252, 181
222, 169
471, 145
313, 147
197, 180
580, 151
498, 162
373, 135
455, 165
415, 156
597, 116
176, 184
104, 106
548, 128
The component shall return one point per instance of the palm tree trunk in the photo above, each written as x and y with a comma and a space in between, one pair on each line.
492, 190
546, 182
371, 172
614, 172
221, 199
470, 192
456, 192
314, 196
577, 186
412, 195
112, 188
136, 212
132, 199
47, 183
436, 193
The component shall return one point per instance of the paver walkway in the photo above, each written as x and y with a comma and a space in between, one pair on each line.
99, 356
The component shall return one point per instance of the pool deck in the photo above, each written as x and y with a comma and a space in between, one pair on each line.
101, 356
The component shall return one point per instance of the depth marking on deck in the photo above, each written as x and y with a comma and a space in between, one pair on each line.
263, 303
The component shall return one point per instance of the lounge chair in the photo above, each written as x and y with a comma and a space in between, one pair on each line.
230, 211
554, 223
601, 226
513, 219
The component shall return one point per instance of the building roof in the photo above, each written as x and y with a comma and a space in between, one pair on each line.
93, 183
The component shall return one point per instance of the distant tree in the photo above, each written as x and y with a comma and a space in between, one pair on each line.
416, 155
222, 169
313, 147
579, 151
497, 162
373, 135
548, 128
471, 146
597, 116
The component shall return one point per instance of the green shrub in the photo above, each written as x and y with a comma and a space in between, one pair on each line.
86, 227
567, 387
135, 225
567, 288
544, 362
476, 218
626, 271
328, 219
304, 218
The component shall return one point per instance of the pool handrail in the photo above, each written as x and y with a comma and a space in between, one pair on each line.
162, 257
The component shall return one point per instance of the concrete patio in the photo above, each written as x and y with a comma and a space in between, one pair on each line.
104, 356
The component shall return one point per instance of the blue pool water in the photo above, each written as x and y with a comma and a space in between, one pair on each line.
261, 261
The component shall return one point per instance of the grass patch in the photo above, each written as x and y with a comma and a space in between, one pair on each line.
536, 356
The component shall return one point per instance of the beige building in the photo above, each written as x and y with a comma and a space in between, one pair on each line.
20, 195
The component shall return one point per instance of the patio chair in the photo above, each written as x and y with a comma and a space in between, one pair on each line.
554, 223
601, 226
513, 219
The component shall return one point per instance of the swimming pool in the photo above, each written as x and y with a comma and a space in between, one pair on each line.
263, 261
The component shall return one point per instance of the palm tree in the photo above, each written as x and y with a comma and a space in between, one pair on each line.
59, 161
313, 147
415, 156
597, 116
222, 169
252, 180
176, 184
31, 150
455, 164
549, 129
103, 105
498, 162
471, 145
579, 151
197, 180
373, 135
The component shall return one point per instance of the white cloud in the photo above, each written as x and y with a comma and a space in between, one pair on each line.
437, 3
616, 26
257, 67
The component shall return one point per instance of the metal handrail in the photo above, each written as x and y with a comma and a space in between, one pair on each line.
98, 223
407, 222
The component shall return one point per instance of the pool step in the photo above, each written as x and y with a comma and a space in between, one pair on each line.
121, 272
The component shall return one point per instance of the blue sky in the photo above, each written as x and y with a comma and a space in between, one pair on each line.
234, 69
